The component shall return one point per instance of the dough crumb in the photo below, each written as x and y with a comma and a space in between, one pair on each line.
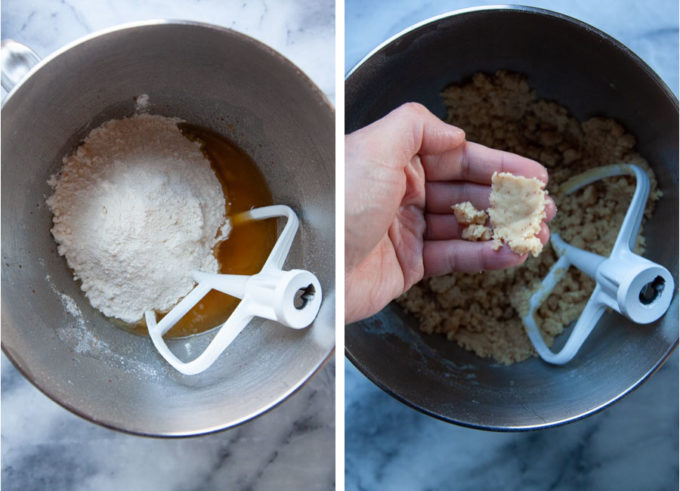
517, 211
476, 232
472, 221
467, 214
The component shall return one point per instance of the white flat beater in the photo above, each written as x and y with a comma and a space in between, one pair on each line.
292, 298
633, 286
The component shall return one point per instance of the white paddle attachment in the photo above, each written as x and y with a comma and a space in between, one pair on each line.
627, 283
291, 298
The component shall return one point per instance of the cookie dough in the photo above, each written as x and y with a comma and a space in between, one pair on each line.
467, 214
476, 232
473, 221
517, 211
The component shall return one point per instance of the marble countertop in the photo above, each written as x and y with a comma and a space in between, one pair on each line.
632, 445
291, 447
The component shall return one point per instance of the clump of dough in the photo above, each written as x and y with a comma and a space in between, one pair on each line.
475, 232
517, 211
467, 214
473, 221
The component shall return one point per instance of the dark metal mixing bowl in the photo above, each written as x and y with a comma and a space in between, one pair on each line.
591, 74
210, 77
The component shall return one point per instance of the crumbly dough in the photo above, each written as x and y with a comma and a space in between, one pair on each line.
473, 221
467, 214
476, 310
476, 232
517, 211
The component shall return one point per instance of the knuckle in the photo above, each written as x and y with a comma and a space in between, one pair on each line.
414, 108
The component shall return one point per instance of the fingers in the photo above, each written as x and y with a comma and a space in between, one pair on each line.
477, 163
431, 134
442, 227
405, 132
440, 196
446, 227
543, 234
550, 210
446, 256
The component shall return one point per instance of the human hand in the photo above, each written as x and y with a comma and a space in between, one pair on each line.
402, 174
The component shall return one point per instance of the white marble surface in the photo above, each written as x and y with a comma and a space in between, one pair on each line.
650, 29
632, 445
291, 447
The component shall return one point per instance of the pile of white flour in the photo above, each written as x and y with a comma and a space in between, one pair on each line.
136, 209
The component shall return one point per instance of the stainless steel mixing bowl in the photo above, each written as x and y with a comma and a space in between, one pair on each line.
590, 73
209, 76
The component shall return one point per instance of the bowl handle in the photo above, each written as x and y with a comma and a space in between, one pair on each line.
16, 60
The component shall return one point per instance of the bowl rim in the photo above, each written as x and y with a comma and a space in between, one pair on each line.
508, 429
168, 22
653, 76
16, 359
524, 9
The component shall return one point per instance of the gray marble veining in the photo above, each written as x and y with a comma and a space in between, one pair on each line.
291, 447
46, 447
632, 445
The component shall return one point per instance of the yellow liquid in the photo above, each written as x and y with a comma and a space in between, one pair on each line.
248, 245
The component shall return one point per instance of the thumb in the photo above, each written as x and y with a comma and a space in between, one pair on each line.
409, 130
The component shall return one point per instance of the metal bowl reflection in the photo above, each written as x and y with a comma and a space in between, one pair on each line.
590, 73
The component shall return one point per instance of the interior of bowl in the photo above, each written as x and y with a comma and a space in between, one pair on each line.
592, 75
210, 77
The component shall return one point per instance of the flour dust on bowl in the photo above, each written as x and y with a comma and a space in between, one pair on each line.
226, 87
571, 96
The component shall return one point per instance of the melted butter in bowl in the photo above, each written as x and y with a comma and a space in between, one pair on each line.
249, 243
